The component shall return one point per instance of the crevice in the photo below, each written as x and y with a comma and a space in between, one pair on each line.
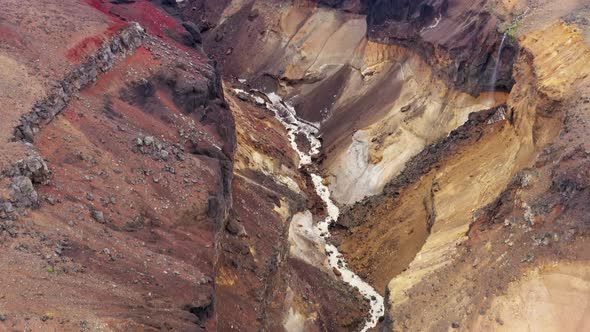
429, 206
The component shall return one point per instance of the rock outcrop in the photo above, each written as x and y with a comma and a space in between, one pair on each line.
45, 110
426, 225
23, 176
142, 165
33, 170
460, 39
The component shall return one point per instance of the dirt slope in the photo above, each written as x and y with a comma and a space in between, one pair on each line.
127, 185
131, 199
140, 192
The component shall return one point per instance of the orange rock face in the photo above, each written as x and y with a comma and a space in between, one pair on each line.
146, 183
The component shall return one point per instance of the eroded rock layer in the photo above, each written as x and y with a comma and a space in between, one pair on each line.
146, 186
386, 99
433, 230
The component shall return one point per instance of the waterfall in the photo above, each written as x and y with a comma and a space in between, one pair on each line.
497, 66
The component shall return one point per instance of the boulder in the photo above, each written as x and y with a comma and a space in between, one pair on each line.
22, 192
97, 215
34, 167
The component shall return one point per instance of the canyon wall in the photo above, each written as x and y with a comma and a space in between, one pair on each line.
428, 224
459, 39
393, 98
379, 102
146, 184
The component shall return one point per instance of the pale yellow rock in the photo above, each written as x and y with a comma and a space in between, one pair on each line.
552, 298
554, 73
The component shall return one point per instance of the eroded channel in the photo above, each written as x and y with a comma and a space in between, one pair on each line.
295, 126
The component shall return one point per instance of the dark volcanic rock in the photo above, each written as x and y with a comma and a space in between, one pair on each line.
7, 210
354, 6
459, 38
45, 110
33, 167
194, 30
97, 215
23, 175
202, 307
234, 227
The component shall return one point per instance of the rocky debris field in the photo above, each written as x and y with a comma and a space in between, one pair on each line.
146, 184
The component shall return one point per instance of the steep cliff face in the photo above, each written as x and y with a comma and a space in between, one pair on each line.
117, 178
388, 97
150, 179
263, 280
460, 39
427, 225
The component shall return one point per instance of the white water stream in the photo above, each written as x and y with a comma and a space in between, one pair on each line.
286, 114
497, 66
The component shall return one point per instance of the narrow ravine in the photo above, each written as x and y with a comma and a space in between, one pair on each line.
287, 116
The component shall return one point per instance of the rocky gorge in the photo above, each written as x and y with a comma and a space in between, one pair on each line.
294, 165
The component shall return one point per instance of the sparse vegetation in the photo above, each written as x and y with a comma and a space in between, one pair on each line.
512, 29
439, 140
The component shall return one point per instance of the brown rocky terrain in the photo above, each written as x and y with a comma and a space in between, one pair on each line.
121, 179
146, 184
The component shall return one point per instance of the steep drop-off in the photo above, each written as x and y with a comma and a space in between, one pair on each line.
388, 97
109, 219
160, 165
388, 81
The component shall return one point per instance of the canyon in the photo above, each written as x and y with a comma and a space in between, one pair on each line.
294, 165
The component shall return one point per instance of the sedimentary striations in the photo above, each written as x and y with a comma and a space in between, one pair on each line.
133, 174
336, 75
387, 98
459, 39
427, 225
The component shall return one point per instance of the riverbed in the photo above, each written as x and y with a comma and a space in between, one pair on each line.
295, 126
